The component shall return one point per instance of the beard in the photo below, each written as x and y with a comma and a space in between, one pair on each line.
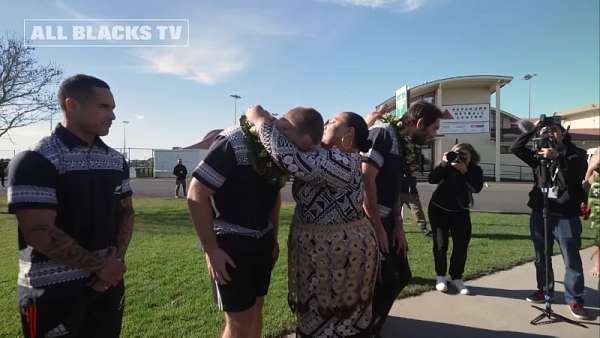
420, 138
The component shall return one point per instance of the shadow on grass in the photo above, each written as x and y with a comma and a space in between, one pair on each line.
164, 217
415, 328
502, 237
422, 281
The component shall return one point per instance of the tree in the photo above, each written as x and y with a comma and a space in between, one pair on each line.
26, 86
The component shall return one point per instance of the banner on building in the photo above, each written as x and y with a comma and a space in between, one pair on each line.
465, 119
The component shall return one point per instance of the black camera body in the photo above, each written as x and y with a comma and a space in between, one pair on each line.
453, 157
546, 139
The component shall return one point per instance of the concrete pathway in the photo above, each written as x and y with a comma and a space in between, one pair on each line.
497, 309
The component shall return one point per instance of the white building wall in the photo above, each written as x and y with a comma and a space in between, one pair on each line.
586, 120
165, 160
468, 95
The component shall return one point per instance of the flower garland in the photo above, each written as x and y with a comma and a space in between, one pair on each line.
411, 153
258, 156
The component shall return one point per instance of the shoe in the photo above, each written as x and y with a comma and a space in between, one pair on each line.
459, 285
425, 231
440, 284
578, 311
537, 297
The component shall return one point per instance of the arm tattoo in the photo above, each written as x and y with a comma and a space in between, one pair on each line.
59, 246
125, 227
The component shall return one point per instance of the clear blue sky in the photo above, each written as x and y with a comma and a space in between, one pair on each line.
333, 55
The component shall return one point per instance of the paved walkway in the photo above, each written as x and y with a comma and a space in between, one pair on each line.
497, 308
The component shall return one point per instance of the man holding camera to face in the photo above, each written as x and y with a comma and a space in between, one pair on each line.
559, 167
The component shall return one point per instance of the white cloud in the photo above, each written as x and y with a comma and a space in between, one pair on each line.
205, 64
139, 116
69, 10
401, 5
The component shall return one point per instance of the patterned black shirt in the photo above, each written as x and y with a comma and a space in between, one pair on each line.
328, 185
385, 155
243, 200
83, 184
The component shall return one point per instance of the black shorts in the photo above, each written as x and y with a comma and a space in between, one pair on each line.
71, 309
180, 181
251, 277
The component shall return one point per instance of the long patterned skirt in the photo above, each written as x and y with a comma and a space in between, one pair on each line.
332, 270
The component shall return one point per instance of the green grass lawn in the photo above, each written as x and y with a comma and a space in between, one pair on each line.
168, 292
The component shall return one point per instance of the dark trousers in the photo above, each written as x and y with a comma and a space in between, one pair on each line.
395, 275
567, 232
180, 183
71, 310
443, 225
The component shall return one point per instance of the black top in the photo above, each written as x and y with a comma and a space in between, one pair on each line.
242, 198
570, 169
83, 184
385, 155
180, 171
454, 190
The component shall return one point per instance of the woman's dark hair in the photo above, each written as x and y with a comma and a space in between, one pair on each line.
361, 131
475, 158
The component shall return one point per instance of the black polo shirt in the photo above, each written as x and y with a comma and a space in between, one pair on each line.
385, 155
243, 200
83, 184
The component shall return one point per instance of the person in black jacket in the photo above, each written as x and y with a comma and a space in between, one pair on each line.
449, 212
567, 171
180, 171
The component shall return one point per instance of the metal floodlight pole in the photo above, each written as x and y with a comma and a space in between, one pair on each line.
235, 98
527, 77
125, 136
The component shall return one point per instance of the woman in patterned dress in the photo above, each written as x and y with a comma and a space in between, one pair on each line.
332, 257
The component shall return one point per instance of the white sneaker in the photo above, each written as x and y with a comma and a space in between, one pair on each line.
459, 285
440, 284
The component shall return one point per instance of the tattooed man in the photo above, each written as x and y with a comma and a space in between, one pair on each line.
72, 200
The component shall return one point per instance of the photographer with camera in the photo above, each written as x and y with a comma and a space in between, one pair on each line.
458, 176
559, 167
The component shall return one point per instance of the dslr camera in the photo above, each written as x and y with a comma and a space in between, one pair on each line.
454, 157
545, 138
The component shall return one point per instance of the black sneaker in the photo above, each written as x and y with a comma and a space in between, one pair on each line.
425, 231
536, 297
578, 311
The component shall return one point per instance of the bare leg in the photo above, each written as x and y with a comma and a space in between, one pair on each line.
237, 323
595, 271
257, 324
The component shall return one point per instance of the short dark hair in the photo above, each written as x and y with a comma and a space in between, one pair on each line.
422, 110
307, 121
361, 131
79, 86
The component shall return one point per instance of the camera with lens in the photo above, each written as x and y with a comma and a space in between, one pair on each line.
453, 157
545, 138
